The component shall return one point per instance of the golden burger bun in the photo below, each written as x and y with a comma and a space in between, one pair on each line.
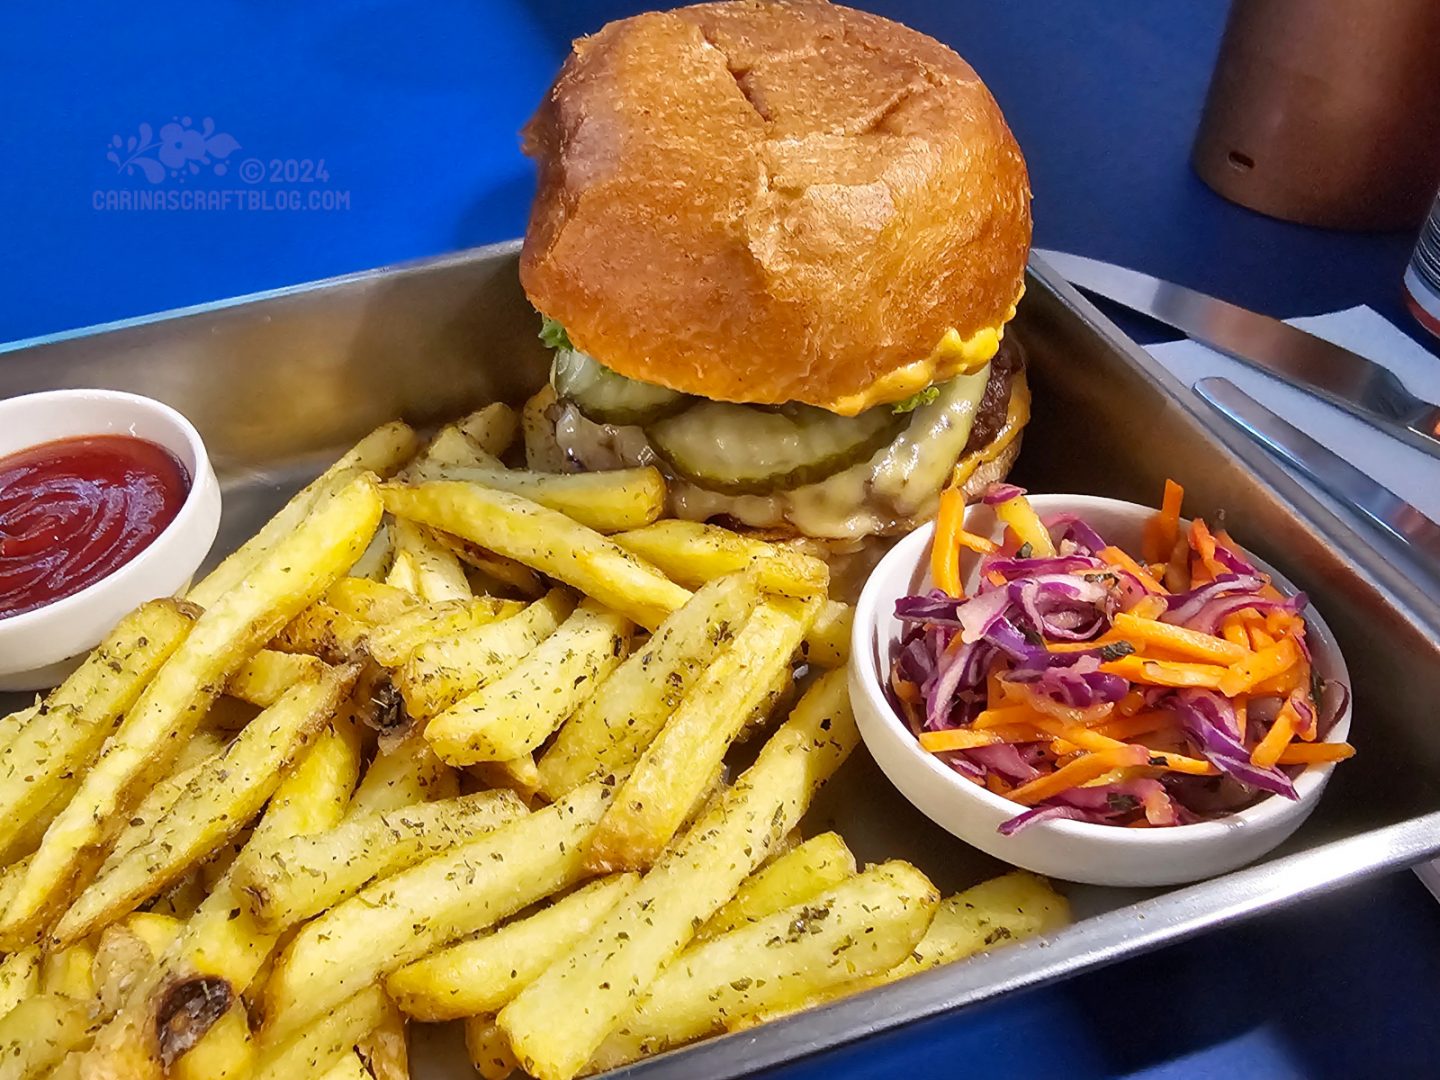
767, 202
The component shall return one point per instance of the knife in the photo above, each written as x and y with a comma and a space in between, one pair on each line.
1333, 474
1345, 379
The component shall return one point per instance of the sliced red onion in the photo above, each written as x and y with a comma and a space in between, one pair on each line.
1210, 721
1180, 608
1005, 760
1049, 812
1233, 561
1076, 529
1010, 569
996, 494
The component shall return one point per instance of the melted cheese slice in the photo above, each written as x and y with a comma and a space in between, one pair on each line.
952, 356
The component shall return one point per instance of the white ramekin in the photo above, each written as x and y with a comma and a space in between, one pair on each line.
1072, 850
40, 647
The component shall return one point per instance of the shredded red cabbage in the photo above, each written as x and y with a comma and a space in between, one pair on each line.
1028, 624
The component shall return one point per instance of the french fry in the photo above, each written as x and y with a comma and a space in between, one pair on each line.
38, 1033
828, 643
611, 729
14, 723
409, 914
69, 972
19, 977
371, 602
407, 774
651, 803
488, 1048
441, 672
543, 539
692, 553
222, 948
125, 956
482, 975
517, 712
604, 501
495, 573
323, 631
558, 1022
450, 448
403, 574
308, 874
224, 793
322, 1042
381, 452
203, 746
285, 581
374, 561
493, 428
865, 924
66, 732
806, 870
226, 1052
438, 575
542, 452
395, 642
263, 679
517, 774
1008, 908
383, 1050
349, 1067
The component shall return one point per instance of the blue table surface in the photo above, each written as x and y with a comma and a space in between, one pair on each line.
407, 115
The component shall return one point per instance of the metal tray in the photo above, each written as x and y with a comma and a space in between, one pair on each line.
279, 382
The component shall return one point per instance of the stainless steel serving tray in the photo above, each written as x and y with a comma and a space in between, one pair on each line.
279, 382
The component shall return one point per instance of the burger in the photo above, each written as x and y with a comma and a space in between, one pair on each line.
775, 246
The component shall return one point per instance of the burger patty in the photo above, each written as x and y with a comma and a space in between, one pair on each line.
990, 413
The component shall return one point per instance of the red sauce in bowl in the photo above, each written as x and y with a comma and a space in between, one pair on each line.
76, 510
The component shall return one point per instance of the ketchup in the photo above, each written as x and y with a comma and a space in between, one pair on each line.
76, 510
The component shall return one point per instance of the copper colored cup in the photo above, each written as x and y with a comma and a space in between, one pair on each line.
1326, 112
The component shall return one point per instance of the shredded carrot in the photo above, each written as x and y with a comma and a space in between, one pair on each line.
1264, 664
937, 742
1126, 728
1178, 639
1315, 753
1284, 684
1003, 716
1020, 516
982, 545
1177, 570
1268, 750
1148, 607
945, 549
1115, 557
1078, 772
1241, 705
1260, 638
1167, 523
996, 784
995, 577
1234, 630
1182, 763
1131, 703
1139, 669
994, 688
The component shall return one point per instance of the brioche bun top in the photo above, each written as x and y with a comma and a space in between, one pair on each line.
765, 201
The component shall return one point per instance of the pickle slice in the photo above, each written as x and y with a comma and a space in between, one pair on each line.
751, 450
607, 397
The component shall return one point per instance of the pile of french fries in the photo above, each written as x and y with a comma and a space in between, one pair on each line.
447, 740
